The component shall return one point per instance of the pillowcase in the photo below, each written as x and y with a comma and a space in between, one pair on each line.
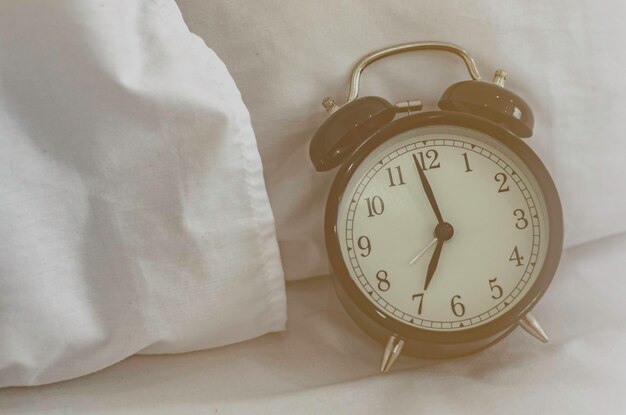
133, 210
565, 59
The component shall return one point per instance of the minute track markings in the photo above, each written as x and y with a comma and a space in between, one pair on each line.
363, 185
388, 158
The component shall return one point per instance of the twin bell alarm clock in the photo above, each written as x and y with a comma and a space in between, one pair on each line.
443, 228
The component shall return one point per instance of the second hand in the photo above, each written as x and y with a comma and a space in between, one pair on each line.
423, 251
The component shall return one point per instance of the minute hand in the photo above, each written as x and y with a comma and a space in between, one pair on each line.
428, 190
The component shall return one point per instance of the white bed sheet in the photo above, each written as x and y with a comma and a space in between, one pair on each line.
324, 364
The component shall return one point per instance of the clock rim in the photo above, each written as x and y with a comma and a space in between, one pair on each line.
536, 168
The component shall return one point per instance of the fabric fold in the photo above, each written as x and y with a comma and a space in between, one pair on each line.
133, 210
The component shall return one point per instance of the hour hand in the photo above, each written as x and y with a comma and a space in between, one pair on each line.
434, 261
443, 232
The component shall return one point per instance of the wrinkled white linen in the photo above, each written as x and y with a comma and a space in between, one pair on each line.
133, 211
565, 58
323, 363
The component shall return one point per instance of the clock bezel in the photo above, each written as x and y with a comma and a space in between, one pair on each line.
546, 188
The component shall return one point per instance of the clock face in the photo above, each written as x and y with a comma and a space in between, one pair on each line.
483, 190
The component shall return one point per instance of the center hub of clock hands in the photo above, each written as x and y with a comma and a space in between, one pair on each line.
444, 231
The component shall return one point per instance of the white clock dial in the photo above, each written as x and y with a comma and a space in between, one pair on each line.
483, 190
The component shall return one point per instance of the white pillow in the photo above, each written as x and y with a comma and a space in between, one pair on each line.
567, 60
133, 212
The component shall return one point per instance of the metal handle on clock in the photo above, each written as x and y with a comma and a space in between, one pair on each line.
409, 47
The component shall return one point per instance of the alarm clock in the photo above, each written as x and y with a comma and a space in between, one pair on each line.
443, 228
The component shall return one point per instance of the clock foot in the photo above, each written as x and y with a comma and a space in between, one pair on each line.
392, 351
532, 327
